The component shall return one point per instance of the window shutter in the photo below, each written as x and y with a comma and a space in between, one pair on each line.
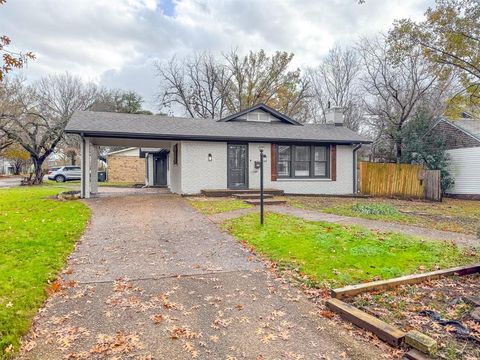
273, 160
334, 162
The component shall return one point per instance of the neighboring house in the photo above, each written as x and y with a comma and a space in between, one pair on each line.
126, 166
6, 168
200, 154
462, 138
138, 165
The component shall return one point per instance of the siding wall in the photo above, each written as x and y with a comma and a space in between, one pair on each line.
465, 169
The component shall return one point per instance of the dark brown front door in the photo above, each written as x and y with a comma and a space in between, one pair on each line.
237, 158
160, 169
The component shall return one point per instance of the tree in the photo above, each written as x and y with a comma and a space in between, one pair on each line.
430, 151
11, 59
449, 37
208, 87
197, 85
396, 88
335, 82
35, 116
259, 78
18, 157
119, 101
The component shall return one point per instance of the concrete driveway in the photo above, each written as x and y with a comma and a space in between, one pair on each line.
10, 181
153, 279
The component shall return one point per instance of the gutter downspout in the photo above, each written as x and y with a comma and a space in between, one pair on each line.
355, 180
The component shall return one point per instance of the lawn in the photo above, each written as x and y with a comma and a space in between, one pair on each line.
216, 206
37, 233
449, 215
334, 255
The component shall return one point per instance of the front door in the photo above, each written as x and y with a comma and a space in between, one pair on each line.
237, 176
160, 170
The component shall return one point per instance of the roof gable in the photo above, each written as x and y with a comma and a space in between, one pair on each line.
260, 113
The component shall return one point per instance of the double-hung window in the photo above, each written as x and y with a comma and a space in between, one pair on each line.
303, 161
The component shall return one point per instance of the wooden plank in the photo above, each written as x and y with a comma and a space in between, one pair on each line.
384, 331
387, 179
273, 157
414, 354
334, 162
352, 290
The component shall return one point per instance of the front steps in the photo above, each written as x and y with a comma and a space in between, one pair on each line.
252, 196
266, 202
230, 192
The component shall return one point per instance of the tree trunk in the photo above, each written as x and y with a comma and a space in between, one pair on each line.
38, 172
398, 149
73, 158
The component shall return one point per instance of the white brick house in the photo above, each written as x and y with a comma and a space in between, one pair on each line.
205, 154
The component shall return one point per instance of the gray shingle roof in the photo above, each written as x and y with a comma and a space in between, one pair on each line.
108, 124
470, 125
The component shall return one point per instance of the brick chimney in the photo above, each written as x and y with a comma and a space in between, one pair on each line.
334, 115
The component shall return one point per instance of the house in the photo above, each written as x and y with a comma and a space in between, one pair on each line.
6, 167
462, 139
199, 154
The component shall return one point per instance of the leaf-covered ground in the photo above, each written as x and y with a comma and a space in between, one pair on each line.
450, 215
332, 254
208, 206
448, 297
37, 233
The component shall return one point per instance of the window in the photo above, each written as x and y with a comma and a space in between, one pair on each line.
320, 161
284, 161
175, 154
302, 161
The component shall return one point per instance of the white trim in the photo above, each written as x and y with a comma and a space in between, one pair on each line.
124, 150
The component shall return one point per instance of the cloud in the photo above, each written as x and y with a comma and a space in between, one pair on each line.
117, 42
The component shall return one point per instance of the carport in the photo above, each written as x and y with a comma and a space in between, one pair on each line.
89, 151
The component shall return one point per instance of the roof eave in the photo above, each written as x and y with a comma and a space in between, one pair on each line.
147, 136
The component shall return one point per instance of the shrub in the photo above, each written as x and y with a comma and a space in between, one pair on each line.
375, 209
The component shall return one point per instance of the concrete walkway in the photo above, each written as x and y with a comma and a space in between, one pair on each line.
153, 279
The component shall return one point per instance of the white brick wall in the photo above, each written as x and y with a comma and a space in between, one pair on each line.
175, 173
343, 185
195, 172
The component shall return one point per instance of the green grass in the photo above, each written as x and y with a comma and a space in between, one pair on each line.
210, 207
449, 215
335, 255
37, 233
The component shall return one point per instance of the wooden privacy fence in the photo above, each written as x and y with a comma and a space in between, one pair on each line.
399, 180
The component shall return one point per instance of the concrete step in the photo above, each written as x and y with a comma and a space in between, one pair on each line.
252, 196
266, 202
230, 192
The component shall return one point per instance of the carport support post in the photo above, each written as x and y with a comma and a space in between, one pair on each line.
261, 186
85, 168
93, 168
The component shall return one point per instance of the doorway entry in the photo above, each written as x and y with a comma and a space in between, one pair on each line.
160, 169
237, 165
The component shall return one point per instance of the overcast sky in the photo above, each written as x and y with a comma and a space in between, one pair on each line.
116, 42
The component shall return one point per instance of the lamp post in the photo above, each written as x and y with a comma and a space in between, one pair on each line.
261, 185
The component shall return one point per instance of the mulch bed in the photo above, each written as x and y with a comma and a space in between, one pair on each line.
442, 309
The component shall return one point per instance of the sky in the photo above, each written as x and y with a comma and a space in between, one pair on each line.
116, 43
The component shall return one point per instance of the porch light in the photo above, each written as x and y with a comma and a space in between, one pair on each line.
210, 157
